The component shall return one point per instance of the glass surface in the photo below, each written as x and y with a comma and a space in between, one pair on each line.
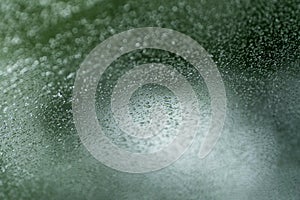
255, 45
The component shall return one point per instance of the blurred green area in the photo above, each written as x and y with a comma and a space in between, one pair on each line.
255, 45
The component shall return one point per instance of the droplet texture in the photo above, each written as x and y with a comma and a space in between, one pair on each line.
255, 45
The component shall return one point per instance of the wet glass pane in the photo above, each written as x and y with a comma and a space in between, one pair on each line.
255, 46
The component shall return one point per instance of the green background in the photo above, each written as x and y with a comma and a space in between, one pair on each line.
255, 45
